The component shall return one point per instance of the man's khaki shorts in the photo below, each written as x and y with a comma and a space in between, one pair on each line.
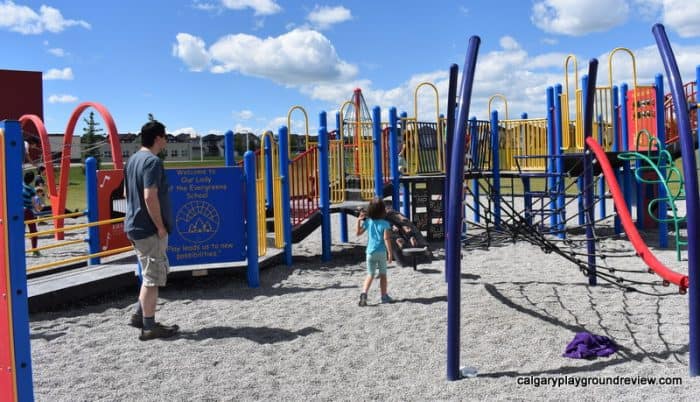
151, 253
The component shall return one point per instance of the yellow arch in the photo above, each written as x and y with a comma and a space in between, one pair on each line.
505, 103
634, 79
441, 161
566, 73
569, 139
289, 126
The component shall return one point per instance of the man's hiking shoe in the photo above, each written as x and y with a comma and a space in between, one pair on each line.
136, 321
387, 299
159, 331
363, 300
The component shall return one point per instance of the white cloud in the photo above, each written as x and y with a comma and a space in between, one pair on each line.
192, 51
274, 124
62, 99
240, 128
244, 114
576, 18
294, 58
186, 130
324, 17
682, 18
509, 43
59, 74
261, 7
57, 51
521, 77
26, 21
200, 5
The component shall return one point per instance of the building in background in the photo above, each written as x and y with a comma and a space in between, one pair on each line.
23, 94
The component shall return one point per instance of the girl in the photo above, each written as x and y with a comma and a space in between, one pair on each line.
378, 247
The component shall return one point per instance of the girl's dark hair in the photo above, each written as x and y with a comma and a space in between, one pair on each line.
376, 209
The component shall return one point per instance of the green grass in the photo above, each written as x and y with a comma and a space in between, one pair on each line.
76, 179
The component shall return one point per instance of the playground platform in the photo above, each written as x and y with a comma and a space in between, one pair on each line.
49, 291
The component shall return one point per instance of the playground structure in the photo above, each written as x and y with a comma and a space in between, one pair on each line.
456, 190
361, 160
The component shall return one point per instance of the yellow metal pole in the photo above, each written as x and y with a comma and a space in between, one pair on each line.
79, 258
74, 227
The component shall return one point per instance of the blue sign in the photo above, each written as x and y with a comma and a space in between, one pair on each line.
208, 211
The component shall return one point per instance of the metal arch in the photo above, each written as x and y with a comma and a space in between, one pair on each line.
115, 146
438, 126
505, 103
634, 64
289, 125
566, 73
437, 100
341, 130
45, 150
634, 78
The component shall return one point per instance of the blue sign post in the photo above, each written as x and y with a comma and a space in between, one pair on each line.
208, 213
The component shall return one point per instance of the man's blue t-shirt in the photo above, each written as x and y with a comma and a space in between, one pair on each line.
375, 234
144, 170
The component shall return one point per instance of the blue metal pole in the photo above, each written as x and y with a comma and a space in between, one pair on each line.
394, 158
476, 191
551, 161
601, 182
13, 226
450, 128
253, 270
343, 217
455, 204
559, 161
92, 215
269, 197
229, 159
589, 82
496, 169
286, 209
377, 141
616, 147
406, 188
661, 135
324, 188
691, 184
629, 191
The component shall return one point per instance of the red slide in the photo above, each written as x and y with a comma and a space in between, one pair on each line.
626, 219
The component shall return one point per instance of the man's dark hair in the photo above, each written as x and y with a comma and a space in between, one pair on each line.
41, 169
150, 131
28, 177
376, 209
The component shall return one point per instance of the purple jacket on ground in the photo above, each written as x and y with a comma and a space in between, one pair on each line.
586, 345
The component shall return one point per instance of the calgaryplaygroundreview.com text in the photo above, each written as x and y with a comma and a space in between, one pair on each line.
577, 381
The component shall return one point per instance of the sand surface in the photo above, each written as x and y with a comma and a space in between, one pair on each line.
301, 335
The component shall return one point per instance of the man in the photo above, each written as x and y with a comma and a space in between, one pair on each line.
147, 224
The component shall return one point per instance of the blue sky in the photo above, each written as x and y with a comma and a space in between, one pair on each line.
203, 66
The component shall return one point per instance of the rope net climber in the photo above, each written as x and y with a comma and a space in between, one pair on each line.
568, 238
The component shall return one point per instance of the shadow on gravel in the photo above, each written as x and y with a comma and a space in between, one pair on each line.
261, 335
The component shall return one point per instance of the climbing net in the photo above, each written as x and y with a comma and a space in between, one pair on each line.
594, 253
